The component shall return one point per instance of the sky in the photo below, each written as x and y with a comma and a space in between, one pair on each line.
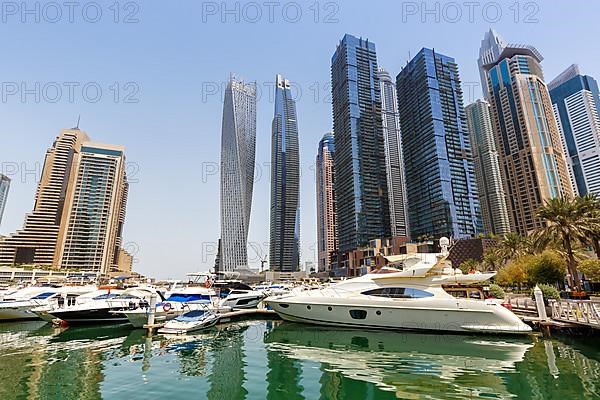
150, 76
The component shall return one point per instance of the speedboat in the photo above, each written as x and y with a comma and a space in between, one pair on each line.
101, 306
17, 305
191, 321
62, 297
177, 302
412, 298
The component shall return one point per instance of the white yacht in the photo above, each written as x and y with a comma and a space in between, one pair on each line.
18, 304
238, 295
102, 305
412, 298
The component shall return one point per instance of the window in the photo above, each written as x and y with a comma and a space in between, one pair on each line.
398, 293
358, 314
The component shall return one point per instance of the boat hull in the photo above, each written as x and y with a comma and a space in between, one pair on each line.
426, 317
96, 316
16, 313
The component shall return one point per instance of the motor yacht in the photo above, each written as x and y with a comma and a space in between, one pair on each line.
61, 297
191, 321
103, 306
238, 295
17, 305
409, 298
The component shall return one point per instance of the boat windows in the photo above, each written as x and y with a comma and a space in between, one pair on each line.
358, 314
105, 296
43, 296
284, 305
398, 293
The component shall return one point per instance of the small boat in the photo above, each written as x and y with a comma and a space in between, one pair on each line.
191, 321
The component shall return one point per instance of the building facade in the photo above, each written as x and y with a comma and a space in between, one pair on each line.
79, 210
238, 146
440, 178
532, 161
4, 187
326, 207
284, 248
394, 161
360, 175
487, 169
575, 101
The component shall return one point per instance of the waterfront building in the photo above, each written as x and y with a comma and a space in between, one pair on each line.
576, 101
487, 169
394, 161
284, 249
360, 175
326, 211
440, 179
238, 146
4, 186
530, 152
79, 211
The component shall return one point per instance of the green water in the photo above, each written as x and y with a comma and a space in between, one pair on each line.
273, 360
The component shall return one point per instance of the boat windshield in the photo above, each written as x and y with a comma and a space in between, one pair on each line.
187, 297
105, 296
398, 293
42, 296
193, 315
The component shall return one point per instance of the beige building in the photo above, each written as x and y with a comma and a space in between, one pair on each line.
326, 212
532, 161
79, 209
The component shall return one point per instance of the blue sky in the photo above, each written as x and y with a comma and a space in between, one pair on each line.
168, 65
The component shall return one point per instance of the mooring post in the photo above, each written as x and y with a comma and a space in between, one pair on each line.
541, 310
151, 312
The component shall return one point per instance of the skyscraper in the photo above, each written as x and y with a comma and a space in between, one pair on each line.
532, 162
360, 176
238, 145
576, 102
440, 179
394, 162
326, 209
487, 168
4, 186
284, 250
79, 210
92, 226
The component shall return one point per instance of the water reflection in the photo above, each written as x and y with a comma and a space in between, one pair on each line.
265, 359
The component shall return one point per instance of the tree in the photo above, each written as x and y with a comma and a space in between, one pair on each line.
513, 274
591, 204
547, 267
567, 221
591, 269
491, 260
513, 246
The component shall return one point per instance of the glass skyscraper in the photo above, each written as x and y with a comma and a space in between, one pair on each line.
487, 168
284, 249
394, 162
532, 161
575, 100
326, 207
440, 178
4, 186
360, 175
238, 146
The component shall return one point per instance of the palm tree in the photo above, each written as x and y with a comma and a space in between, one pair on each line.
567, 222
591, 203
513, 246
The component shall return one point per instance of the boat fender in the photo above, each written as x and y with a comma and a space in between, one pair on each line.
167, 307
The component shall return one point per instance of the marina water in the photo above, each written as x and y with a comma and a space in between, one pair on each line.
275, 360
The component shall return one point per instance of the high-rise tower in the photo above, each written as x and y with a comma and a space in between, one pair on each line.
326, 208
487, 169
394, 162
576, 104
4, 186
79, 210
531, 157
284, 249
238, 145
440, 178
360, 175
